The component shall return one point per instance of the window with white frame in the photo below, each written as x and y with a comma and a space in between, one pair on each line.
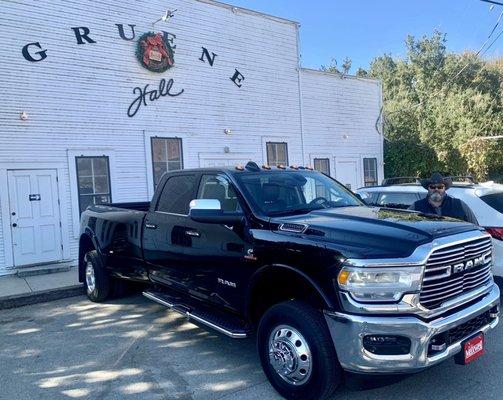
277, 153
370, 171
93, 180
322, 165
166, 156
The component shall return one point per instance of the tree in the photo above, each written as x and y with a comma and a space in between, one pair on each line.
332, 67
437, 106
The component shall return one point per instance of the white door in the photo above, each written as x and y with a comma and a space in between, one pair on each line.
35, 217
346, 172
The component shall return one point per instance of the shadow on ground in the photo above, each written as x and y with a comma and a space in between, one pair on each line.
134, 349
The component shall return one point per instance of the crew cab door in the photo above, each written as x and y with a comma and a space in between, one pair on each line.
216, 255
164, 237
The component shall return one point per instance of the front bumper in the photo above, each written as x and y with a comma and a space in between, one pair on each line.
348, 331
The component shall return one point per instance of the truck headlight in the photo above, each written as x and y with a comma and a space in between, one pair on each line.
373, 284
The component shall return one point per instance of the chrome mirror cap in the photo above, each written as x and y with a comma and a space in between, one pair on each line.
205, 204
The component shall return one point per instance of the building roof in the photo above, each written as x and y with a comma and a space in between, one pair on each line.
234, 9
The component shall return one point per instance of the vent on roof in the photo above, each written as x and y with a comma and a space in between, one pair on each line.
297, 228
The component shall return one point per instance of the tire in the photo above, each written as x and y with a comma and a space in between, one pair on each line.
298, 329
96, 279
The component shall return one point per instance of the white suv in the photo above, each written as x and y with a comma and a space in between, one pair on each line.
484, 199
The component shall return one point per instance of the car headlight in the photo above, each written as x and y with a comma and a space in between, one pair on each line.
372, 284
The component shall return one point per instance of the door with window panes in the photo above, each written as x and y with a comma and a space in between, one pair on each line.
322, 165
166, 156
277, 153
370, 171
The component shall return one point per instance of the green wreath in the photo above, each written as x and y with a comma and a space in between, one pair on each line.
154, 52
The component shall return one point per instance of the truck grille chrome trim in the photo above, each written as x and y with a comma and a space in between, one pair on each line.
453, 270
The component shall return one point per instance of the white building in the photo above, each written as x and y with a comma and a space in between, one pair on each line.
74, 128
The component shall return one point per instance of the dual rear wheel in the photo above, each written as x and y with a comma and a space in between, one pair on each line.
99, 286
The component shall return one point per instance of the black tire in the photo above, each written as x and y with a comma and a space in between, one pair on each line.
325, 370
101, 289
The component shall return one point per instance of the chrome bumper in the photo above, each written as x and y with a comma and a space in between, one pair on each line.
348, 331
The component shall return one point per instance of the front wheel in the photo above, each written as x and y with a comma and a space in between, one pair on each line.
297, 353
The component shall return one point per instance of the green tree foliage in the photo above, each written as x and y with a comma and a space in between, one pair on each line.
437, 107
333, 67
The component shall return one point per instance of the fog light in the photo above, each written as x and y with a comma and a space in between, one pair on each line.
387, 345
494, 312
438, 343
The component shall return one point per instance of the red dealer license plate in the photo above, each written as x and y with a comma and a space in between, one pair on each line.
473, 348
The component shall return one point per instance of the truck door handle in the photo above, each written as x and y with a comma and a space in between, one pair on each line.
193, 233
150, 226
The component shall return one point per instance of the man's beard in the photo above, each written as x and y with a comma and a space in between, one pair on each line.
436, 197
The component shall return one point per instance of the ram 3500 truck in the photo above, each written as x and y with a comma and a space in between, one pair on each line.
327, 284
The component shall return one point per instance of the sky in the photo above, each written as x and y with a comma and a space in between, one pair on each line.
362, 30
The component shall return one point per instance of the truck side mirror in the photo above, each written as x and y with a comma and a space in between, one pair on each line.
209, 211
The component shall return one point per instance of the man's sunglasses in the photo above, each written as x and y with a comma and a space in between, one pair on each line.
433, 187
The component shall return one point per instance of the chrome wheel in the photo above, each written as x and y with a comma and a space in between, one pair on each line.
289, 355
90, 278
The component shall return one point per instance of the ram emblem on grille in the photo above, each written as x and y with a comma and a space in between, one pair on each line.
465, 266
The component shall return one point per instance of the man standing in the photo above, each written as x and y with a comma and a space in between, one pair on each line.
440, 203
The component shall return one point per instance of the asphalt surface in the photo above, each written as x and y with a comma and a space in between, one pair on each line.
134, 349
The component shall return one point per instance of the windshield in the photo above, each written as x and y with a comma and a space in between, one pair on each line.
289, 192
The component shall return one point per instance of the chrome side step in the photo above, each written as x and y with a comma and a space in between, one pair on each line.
198, 316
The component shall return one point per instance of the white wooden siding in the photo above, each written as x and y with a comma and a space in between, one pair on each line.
77, 98
339, 117
2, 247
79, 95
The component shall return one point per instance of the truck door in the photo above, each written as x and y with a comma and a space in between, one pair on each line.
164, 238
216, 255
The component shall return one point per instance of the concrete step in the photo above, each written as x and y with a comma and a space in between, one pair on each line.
43, 269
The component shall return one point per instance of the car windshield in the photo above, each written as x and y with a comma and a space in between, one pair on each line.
276, 193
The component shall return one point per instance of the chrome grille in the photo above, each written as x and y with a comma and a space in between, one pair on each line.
441, 282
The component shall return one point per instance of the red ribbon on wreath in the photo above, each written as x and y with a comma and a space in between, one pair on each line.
151, 43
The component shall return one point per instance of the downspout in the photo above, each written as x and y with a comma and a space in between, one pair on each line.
297, 26
381, 108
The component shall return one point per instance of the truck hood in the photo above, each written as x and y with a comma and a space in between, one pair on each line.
365, 232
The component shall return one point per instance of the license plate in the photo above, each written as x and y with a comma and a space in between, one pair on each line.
473, 348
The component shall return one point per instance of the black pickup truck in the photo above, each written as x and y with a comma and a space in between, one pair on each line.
325, 283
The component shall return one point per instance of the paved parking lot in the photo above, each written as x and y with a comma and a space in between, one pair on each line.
134, 349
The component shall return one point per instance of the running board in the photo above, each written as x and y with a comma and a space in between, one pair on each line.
229, 326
